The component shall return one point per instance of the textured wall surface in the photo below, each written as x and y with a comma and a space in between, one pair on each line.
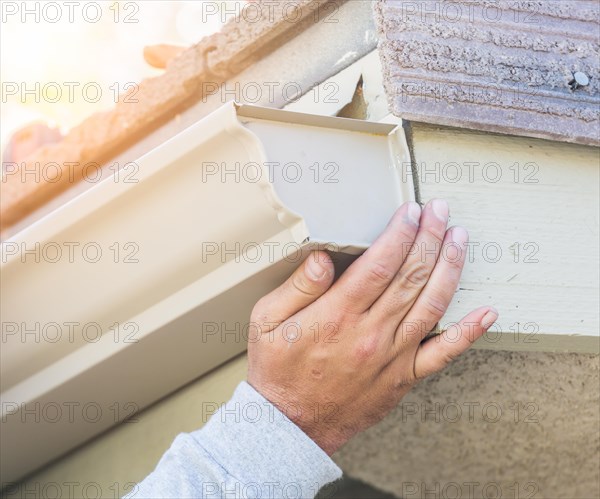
503, 66
460, 434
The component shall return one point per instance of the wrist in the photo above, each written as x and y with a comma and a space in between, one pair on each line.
318, 421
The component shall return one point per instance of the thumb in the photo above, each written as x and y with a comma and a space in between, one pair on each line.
302, 288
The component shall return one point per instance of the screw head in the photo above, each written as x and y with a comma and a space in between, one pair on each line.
581, 79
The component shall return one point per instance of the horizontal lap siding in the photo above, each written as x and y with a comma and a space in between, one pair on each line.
531, 207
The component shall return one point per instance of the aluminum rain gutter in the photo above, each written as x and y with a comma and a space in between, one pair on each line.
145, 282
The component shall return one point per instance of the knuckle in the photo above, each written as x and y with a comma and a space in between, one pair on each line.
407, 234
380, 273
402, 383
434, 306
417, 274
338, 317
436, 233
365, 349
260, 312
301, 284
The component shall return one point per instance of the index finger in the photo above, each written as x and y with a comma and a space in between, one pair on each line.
368, 277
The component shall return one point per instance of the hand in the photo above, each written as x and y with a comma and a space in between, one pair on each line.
337, 358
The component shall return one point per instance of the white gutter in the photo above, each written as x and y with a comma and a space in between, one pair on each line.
217, 218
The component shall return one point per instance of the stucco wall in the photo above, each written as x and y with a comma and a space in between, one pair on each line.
523, 424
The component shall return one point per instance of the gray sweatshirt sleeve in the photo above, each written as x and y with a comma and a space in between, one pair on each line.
247, 449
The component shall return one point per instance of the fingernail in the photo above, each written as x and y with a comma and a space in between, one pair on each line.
414, 213
459, 236
314, 270
440, 208
489, 318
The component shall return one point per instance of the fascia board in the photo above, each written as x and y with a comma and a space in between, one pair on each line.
176, 290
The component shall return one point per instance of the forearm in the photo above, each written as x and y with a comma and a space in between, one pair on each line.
248, 448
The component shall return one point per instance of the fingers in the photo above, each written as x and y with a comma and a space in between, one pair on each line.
437, 352
302, 288
403, 291
370, 275
437, 294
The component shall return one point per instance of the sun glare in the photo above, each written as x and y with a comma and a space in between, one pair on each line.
40, 40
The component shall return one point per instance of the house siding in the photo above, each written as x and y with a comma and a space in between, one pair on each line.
503, 66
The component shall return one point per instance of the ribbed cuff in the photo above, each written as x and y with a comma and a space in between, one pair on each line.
266, 452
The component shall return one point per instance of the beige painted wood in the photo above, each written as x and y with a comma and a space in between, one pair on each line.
534, 232
123, 456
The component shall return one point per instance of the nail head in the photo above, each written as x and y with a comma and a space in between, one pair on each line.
582, 79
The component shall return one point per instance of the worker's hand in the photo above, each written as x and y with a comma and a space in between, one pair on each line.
336, 359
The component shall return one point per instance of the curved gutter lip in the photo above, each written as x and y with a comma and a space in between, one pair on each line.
107, 190
285, 215
97, 216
